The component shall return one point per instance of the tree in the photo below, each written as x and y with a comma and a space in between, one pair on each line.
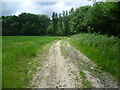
50, 30
103, 18
25, 24
66, 23
61, 24
55, 21
77, 19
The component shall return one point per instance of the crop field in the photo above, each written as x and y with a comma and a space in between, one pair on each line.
17, 52
101, 49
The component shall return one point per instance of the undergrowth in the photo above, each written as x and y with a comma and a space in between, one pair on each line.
101, 49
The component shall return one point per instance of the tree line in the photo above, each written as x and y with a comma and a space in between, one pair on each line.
102, 18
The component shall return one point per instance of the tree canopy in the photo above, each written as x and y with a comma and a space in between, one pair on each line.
102, 17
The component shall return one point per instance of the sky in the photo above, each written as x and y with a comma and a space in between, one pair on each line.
11, 7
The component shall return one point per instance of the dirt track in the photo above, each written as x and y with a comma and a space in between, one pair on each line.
58, 72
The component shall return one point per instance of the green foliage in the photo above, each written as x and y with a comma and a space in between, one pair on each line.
17, 53
101, 49
50, 30
85, 82
102, 17
77, 18
90, 30
55, 22
0, 62
66, 23
25, 24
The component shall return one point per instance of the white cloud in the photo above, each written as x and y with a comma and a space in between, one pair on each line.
29, 6
59, 5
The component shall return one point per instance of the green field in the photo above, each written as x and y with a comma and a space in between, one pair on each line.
0, 62
19, 55
101, 49
17, 52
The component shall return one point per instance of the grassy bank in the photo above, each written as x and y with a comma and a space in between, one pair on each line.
101, 49
0, 62
17, 52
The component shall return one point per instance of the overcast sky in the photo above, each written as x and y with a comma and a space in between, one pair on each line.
40, 7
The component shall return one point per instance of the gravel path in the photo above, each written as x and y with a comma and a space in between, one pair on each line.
57, 72
60, 72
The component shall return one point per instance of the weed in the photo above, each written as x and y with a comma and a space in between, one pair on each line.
85, 82
100, 49
17, 52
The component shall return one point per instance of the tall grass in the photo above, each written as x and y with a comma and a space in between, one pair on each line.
17, 52
0, 62
101, 49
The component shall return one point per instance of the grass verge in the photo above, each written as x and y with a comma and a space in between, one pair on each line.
100, 49
0, 62
17, 53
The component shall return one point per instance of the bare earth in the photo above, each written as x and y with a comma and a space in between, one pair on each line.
60, 72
